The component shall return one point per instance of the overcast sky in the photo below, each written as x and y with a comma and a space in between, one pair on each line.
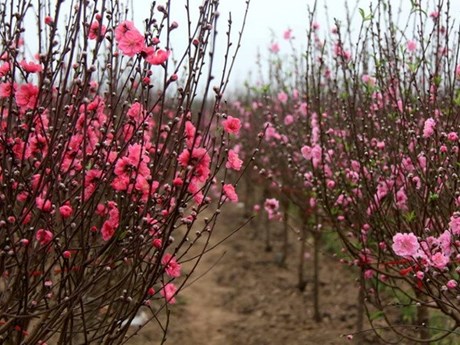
267, 16
265, 19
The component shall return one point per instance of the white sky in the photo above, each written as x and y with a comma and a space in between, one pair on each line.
267, 16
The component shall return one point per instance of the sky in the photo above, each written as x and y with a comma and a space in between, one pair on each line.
265, 19
268, 19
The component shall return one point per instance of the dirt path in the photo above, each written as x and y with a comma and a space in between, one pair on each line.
244, 297
202, 318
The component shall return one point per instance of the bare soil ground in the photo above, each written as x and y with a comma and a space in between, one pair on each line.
244, 297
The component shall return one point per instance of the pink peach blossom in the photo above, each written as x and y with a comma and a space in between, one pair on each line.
368, 80
43, 204
49, 20
282, 97
7, 89
439, 260
123, 28
197, 158
288, 120
66, 210
158, 57
232, 125
111, 224
168, 292
405, 244
452, 136
429, 127
31, 67
287, 35
411, 45
454, 224
5, 68
43, 236
271, 206
306, 152
130, 40
275, 48
233, 161
451, 284
172, 267
96, 30
26, 96
230, 192
420, 275
434, 14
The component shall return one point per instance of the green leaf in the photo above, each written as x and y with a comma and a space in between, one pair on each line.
266, 88
380, 63
416, 7
433, 197
344, 95
376, 315
457, 98
365, 17
335, 211
408, 313
437, 80
413, 66
409, 216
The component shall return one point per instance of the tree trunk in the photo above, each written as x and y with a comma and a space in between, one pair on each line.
316, 271
302, 283
423, 318
361, 311
285, 249
268, 245
249, 197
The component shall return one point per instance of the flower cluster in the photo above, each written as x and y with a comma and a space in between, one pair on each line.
369, 148
102, 173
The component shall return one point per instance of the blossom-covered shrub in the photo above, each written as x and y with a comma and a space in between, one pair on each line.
365, 131
105, 166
